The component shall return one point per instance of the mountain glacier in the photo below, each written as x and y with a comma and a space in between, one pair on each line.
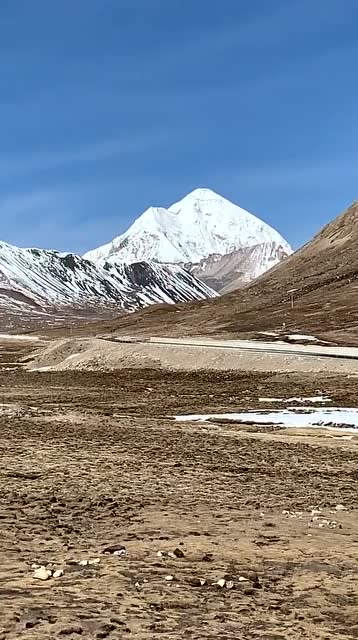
201, 225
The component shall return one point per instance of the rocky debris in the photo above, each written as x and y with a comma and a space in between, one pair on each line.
221, 583
341, 507
169, 578
293, 514
115, 550
73, 629
197, 582
229, 584
177, 553
42, 573
58, 573
323, 523
105, 630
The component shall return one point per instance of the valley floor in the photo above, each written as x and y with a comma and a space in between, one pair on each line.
90, 460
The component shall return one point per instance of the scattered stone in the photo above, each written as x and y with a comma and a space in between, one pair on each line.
106, 629
179, 553
221, 583
42, 573
116, 550
208, 557
229, 584
161, 554
243, 579
169, 578
171, 554
67, 631
341, 507
197, 582
94, 561
35, 566
83, 563
257, 584
58, 573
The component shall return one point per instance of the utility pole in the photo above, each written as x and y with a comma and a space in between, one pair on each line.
292, 292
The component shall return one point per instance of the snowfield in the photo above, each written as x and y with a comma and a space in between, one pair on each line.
332, 418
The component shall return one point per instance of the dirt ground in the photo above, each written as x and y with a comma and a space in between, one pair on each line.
90, 460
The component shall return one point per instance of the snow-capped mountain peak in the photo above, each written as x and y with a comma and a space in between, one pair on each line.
200, 225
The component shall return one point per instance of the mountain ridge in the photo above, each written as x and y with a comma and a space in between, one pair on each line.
201, 225
35, 281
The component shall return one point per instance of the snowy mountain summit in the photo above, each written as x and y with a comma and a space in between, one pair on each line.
202, 227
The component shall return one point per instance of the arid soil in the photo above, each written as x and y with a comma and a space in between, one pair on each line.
105, 355
90, 460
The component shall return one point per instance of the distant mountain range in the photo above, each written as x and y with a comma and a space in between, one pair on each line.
200, 245
36, 284
219, 242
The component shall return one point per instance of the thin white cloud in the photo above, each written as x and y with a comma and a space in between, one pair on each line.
13, 163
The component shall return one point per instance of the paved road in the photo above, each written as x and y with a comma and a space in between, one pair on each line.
257, 346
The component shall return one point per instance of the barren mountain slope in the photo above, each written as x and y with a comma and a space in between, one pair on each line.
324, 275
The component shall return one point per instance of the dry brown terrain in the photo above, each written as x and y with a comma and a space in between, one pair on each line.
90, 460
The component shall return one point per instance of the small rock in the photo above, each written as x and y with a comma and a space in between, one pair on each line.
243, 579
94, 561
229, 584
35, 566
257, 584
341, 507
221, 583
169, 578
171, 554
42, 573
208, 557
83, 563
67, 631
58, 573
197, 582
179, 553
115, 549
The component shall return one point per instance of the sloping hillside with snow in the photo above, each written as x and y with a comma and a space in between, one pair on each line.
34, 281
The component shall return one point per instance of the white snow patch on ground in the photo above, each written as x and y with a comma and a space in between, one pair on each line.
309, 399
12, 336
298, 336
333, 418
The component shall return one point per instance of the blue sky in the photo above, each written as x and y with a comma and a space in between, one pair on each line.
110, 106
